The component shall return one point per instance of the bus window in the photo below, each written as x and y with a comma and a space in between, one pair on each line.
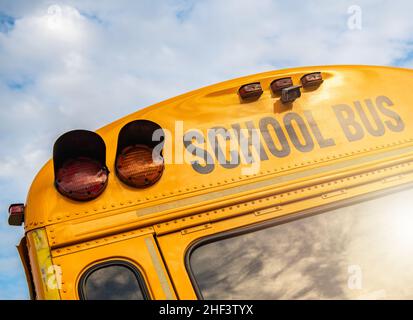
362, 250
114, 280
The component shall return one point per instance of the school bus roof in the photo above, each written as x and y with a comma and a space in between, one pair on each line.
355, 114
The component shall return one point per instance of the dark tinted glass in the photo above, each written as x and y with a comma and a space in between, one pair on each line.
113, 282
361, 251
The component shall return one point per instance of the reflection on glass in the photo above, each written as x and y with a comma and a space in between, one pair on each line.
113, 282
361, 251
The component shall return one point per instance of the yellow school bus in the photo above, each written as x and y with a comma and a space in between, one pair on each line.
289, 184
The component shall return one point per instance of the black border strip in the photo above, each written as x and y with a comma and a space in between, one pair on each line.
130, 266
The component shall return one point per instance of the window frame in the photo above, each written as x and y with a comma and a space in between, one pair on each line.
238, 231
89, 271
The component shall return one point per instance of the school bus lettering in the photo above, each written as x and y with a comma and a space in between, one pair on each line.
200, 152
381, 103
256, 144
322, 142
298, 131
308, 143
285, 147
213, 135
377, 129
347, 119
353, 129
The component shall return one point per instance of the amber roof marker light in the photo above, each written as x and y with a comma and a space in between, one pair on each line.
278, 84
312, 79
137, 165
79, 159
250, 92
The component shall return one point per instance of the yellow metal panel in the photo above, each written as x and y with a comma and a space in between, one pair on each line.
96, 226
175, 245
141, 251
185, 205
219, 105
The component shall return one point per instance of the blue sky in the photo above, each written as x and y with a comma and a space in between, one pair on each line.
82, 64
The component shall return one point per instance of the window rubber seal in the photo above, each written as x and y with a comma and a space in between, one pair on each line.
128, 265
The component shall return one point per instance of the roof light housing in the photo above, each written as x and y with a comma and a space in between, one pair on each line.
79, 159
289, 94
139, 162
311, 79
250, 91
278, 84
81, 178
